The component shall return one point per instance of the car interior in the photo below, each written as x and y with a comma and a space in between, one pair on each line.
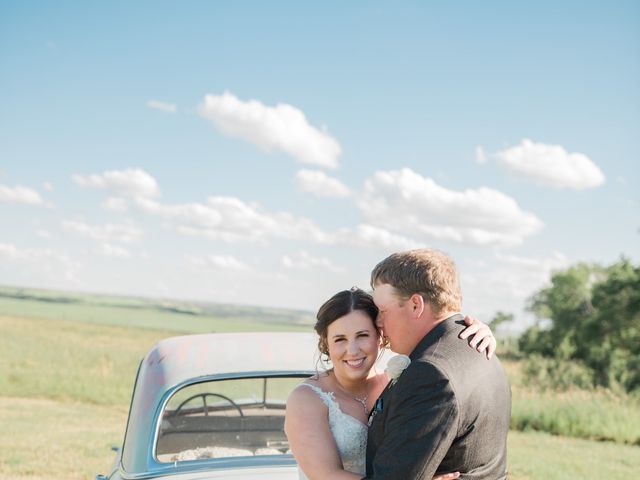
225, 418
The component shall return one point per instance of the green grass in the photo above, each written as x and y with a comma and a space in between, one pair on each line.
72, 361
167, 315
537, 455
65, 387
589, 414
596, 415
53, 440
69, 360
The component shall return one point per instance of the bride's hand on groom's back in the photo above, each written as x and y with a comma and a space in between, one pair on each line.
482, 338
447, 476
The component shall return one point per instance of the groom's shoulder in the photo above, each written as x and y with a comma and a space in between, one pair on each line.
425, 371
450, 354
427, 380
444, 343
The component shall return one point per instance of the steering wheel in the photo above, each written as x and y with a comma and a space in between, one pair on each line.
204, 401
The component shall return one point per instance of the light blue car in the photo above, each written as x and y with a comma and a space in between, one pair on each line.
212, 406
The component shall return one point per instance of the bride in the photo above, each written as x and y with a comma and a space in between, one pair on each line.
326, 419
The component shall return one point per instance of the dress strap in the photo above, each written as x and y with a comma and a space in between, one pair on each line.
327, 397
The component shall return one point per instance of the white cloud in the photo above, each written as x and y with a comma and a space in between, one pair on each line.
113, 251
165, 107
218, 262
230, 219
132, 182
481, 157
365, 235
552, 165
283, 127
115, 204
556, 260
123, 233
9, 251
320, 184
48, 186
20, 194
405, 203
304, 260
44, 234
38, 263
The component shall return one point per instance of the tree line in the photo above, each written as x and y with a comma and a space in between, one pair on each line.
587, 332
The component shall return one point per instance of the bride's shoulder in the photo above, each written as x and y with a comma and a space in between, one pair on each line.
306, 397
309, 388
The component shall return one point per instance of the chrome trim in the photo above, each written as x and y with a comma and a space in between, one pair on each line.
217, 464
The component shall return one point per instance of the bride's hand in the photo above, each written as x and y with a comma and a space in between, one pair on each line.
447, 476
483, 338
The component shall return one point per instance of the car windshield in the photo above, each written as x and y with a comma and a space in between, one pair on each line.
225, 418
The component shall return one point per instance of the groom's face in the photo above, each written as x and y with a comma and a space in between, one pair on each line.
394, 318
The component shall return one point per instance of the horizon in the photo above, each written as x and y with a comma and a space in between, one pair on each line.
184, 301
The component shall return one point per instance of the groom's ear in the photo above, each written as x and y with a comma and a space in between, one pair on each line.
417, 304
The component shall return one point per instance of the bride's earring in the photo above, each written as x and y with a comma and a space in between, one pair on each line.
324, 356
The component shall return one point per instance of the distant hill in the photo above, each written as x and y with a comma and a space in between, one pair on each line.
176, 315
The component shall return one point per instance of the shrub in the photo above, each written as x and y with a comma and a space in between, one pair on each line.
555, 374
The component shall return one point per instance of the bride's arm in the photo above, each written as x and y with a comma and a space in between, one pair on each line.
307, 428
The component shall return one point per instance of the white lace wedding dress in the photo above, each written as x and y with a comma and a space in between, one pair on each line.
349, 432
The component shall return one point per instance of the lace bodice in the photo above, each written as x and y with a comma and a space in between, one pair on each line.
349, 433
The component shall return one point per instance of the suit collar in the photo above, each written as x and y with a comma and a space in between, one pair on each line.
436, 333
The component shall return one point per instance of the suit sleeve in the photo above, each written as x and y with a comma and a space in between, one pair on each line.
421, 424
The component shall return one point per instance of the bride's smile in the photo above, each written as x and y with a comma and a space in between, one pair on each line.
355, 363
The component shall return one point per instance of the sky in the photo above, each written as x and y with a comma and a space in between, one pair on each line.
271, 153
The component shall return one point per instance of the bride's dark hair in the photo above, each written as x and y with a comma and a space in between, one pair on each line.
341, 304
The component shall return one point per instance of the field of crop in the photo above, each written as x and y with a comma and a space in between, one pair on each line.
65, 385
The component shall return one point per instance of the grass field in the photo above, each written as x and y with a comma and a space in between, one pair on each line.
595, 415
169, 315
65, 386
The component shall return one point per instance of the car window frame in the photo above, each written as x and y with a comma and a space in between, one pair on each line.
224, 462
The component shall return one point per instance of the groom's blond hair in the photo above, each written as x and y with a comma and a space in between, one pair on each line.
429, 273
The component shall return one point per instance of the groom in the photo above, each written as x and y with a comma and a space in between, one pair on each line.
449, 410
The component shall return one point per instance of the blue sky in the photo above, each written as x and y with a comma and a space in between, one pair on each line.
270, 153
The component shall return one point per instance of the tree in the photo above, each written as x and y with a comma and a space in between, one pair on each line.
616, 354
594, 315
500, 318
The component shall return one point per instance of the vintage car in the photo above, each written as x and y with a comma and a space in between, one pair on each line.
212, 406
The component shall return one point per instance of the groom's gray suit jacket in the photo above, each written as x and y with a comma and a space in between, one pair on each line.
448, 411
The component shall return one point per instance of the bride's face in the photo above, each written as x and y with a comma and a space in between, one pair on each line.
353, 345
